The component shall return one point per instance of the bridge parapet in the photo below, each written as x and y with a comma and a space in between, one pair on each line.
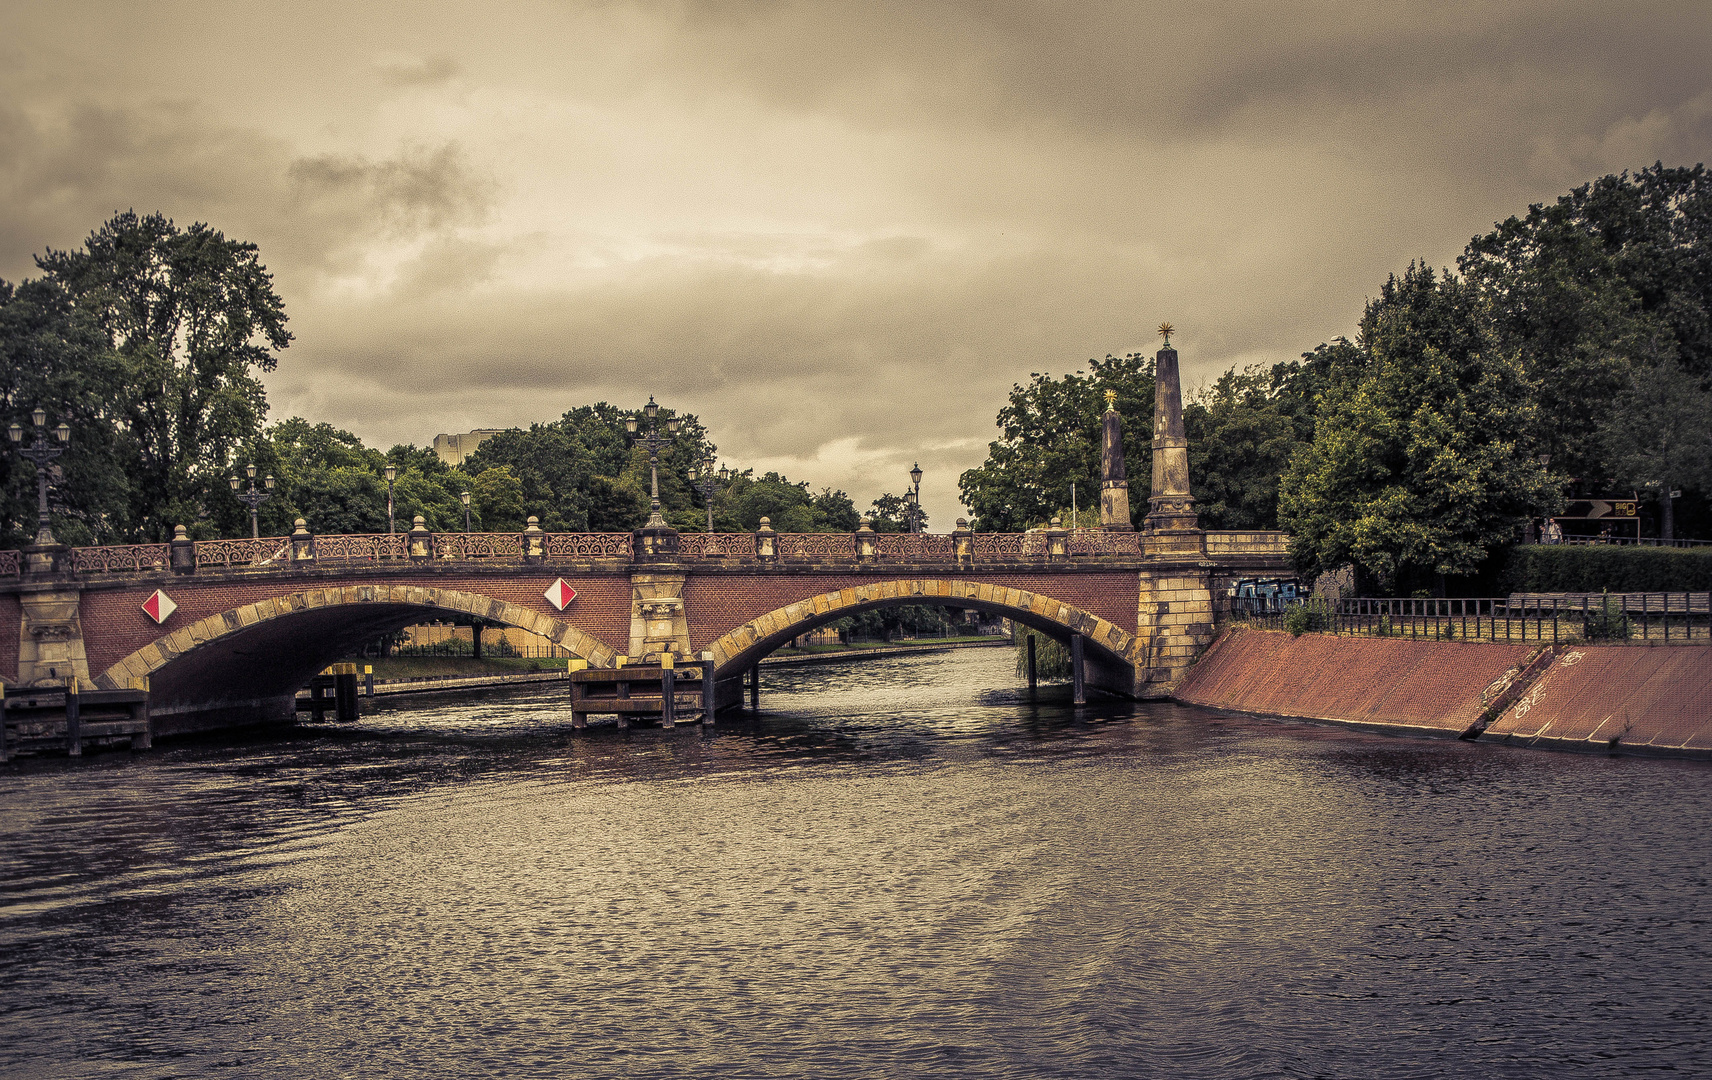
1034, 547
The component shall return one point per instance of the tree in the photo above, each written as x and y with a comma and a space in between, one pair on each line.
1425, 462
1656, 435
1241, 435
1614, 277
892, 514
53, 355
191, 317
496, 497
1050, 442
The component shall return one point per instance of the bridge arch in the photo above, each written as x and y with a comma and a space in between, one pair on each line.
1112, 650
258, 655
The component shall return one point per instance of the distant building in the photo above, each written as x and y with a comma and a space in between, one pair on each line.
453, 449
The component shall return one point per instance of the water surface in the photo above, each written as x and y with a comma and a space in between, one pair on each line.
907, 867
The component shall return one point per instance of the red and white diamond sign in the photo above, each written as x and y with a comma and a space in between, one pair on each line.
159, 606
559, 594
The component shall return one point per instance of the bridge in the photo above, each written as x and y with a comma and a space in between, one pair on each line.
224, 632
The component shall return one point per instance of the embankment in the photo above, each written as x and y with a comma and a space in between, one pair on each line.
1612, 698
1616, 698
1383, 684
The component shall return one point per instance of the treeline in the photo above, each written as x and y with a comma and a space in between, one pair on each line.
1568, 354
149, 340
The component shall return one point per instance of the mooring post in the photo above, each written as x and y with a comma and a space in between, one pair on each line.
73, 720
1031, 661
5, 746
668, 692
755, 688
368, 680
707, 695
1081, 695
345, 693
475, 639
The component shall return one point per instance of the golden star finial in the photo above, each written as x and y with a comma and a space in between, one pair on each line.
1111, 399
1165, 331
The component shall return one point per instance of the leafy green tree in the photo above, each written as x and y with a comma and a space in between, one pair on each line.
496, 498
1050, 440
1427, 461
191, 317
892, 514
53, 355
1614, 277
1241, 437
1656, 435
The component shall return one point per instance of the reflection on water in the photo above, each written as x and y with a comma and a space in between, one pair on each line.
909, 867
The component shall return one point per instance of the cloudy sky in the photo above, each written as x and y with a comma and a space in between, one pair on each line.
837, 232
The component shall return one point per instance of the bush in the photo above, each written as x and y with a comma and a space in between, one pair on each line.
1308, 615
1051, 658
1608, 623
1545, 568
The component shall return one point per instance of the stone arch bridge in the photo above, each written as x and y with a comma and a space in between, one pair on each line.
225, 632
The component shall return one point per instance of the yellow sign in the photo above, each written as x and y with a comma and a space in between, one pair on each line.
1623, 509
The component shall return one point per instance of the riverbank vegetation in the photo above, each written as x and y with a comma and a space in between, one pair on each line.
1568, 354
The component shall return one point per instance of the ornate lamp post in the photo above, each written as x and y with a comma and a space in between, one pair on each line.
391, 475
252, 498
464, 497
707, 483
653, 440
914, 496
42, 454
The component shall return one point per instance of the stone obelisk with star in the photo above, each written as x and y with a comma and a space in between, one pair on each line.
1171, 508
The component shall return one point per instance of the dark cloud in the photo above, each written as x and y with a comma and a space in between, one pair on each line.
838, 233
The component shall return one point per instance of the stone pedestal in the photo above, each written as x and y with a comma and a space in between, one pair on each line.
1174, 622
1171, 508
657, 621
50, 642
1114, 477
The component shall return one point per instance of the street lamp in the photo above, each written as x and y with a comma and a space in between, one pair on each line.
915, 498
707, 483
653, 440
391, 475
464, 497
252, 498
42, 454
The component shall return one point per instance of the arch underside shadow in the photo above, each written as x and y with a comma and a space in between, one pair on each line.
245, 665
1110, 653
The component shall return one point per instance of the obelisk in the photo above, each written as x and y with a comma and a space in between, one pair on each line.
1171, 508
1114, 484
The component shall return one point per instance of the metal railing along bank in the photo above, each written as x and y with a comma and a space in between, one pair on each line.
1673, 617
1038, 546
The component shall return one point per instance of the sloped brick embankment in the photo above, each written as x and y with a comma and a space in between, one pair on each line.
1614, 699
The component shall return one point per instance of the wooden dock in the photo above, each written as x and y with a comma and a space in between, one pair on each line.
38, 718
671, 694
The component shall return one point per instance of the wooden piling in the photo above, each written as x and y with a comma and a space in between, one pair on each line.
73, 720
755, 688
1031, 682
707, 695
5, 736
668, 692
1080, 693
345, 693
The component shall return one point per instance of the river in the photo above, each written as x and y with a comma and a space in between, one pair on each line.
904, 867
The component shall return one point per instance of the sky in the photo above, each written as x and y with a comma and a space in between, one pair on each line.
837, 233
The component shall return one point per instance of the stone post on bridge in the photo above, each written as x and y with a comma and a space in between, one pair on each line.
1114, 481
1174, 621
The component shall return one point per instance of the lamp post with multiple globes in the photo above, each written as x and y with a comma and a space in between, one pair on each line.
42, 453
653, 440
707, 482
252, 498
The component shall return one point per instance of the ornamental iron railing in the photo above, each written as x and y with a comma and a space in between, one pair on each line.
717, 545
280, 551
361, 547
118, 558
266, 551
1522, 618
